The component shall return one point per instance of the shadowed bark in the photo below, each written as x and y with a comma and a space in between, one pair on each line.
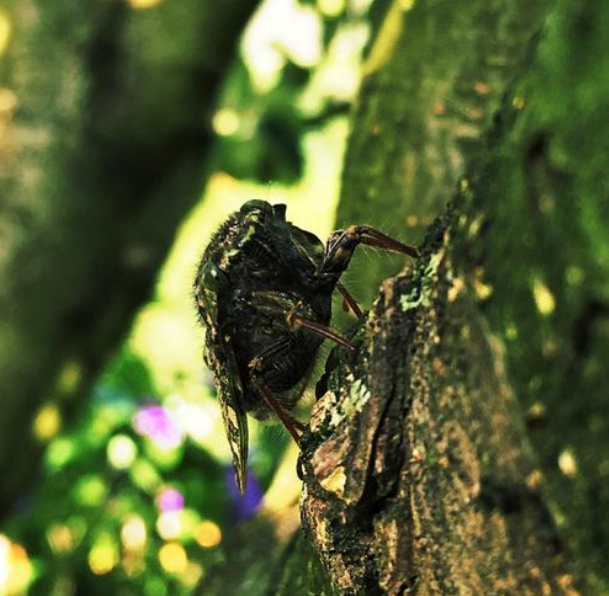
104, 126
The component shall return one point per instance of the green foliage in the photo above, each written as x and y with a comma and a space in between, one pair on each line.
261, 123
122, 507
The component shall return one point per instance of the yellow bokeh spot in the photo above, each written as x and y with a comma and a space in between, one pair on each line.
133, 533
103, 558
226, 122
15, 567
47, 422
208, 534
169, 525
5, 31
60, 538
192, 575
567, 463
122, 452
544, 299
142, 4
173, 558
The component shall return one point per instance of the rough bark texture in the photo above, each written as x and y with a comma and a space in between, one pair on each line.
538, 250
418, 477
541, 261
104, 124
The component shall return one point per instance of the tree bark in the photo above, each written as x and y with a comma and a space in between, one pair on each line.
465, 450
418, 476
527, 242
434, 79
104, 126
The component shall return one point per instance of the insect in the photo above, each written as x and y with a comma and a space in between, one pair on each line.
263, 291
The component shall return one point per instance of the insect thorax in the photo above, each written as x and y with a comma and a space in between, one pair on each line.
263, 268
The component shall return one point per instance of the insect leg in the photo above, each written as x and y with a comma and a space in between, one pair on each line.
256, 365
295, 321
373, 237
349, 301
342, 244
291, 425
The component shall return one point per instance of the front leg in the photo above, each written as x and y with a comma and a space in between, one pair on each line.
348, 301
342, 244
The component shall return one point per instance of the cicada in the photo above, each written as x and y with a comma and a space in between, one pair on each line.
263, 292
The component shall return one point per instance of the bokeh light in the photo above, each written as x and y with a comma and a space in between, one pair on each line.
226, 122
133, 533
59, 452
91, 490
170, 499
103, 557
122, 451
47, 422
267, 40
169, 525
143, 4
15, 567
208, 534
61, 539
155, 422
5, 31
173, 557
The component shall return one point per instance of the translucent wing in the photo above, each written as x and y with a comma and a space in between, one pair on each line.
220, 359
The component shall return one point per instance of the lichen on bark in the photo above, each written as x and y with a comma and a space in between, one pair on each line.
427, 485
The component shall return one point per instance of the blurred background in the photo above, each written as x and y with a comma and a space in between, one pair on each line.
125, 482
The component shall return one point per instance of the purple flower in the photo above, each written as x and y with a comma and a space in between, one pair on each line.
154, 422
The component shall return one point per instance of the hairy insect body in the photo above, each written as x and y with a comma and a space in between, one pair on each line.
263, 291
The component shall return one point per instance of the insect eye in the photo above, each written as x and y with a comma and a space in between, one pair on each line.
212, 276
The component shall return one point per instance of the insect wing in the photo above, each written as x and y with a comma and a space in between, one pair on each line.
221, 361
230, 397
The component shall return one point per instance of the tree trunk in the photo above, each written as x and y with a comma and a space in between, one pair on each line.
419, 475
104, 125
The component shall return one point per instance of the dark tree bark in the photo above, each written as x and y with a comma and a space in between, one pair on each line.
465, 450
104, 124
419, 479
